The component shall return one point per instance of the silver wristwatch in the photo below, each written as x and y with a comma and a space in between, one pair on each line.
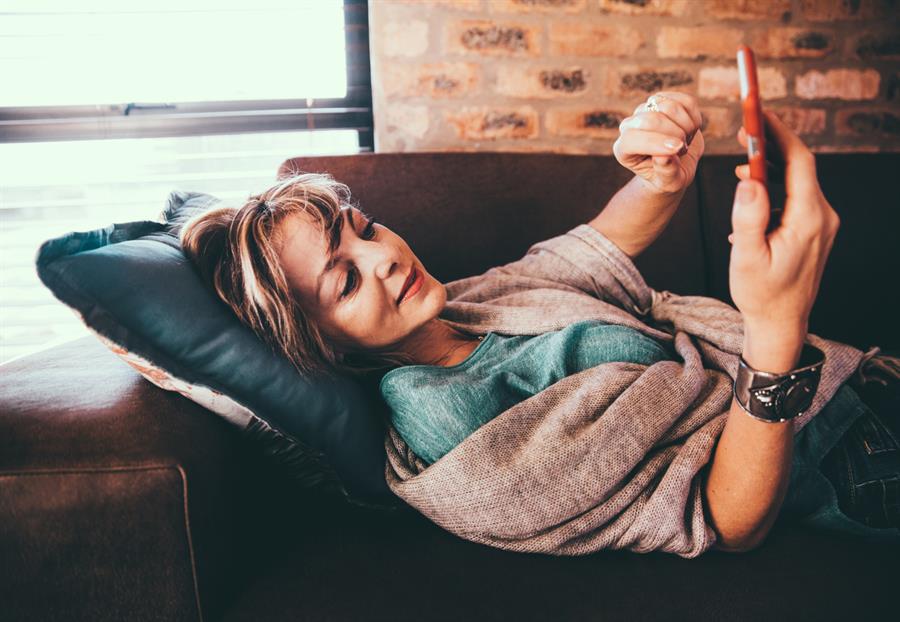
778, 397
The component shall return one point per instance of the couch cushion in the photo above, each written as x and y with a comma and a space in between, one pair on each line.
132, 285
362, 565
117, 538
103, 472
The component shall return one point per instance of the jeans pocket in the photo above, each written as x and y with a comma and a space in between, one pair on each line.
864, 468
874, 435
878, 503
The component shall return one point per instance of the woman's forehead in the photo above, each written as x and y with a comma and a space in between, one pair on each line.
305, 224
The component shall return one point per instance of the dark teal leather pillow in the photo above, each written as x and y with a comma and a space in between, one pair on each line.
135, 289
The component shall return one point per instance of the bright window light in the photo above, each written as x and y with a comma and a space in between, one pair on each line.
60, 52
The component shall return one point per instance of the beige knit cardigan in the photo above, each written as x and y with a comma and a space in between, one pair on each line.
613, 457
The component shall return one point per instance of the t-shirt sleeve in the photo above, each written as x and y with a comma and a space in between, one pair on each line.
430, 433
435, 417
581, 259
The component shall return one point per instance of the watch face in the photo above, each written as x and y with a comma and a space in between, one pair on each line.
800, 394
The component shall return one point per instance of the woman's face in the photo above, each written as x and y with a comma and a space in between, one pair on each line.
355, 302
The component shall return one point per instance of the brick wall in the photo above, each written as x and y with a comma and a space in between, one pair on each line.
560, 75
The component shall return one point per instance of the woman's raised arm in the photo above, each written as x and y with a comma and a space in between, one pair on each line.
662, 145
774, 279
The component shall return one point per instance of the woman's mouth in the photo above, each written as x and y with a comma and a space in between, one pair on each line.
414, 287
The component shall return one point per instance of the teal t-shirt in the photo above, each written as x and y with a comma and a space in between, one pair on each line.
435, 408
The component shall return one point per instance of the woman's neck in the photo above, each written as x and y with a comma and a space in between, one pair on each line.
438, 343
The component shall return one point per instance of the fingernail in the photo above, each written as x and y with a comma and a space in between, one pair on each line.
671, 143
746, 192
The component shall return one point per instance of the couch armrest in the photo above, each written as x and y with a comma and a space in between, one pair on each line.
115, 496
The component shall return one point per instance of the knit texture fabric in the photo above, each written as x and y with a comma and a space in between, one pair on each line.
612, 457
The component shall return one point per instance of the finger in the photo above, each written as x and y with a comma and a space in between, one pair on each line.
789, 144
655, 122
799, 163
671, 109
749, 219
774, 172
690, 105
643, 143
665, 163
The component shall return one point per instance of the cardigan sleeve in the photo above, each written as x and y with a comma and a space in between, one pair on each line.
583, 259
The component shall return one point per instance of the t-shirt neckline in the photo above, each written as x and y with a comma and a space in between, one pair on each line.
473, 355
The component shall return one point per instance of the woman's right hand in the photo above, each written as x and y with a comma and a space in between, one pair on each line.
774, 278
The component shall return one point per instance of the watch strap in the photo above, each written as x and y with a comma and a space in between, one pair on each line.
779, 397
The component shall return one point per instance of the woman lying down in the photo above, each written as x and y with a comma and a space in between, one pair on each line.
557, 404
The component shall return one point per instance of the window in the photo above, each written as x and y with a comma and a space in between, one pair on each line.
108, 107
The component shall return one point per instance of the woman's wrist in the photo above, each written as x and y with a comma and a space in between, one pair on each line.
773, 348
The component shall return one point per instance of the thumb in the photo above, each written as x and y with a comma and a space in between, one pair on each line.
750, 217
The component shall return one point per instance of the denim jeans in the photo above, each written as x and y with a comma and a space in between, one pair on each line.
846, 471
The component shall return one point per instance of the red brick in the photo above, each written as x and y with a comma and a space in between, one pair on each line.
674, 8
402, 38
405, 121
697, 43
792, 43
892, 90
592, 122
883, 46
545, 6
718, 122
722, 83
803, 121
747, 9
869, 123
484, 123
488, 37
517, 81
591, 39
830, 10
462, 5
437, 80
642, 81
839, 84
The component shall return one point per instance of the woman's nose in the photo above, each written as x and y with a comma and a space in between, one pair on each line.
383, 259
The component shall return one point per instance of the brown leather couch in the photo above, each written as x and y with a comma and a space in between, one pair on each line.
120, 501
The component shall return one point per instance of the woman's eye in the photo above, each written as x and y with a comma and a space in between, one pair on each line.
369, 231
351, 282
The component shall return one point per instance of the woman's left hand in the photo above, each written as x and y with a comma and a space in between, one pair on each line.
641, 146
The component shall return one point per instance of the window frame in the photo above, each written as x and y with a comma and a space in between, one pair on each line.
173, 119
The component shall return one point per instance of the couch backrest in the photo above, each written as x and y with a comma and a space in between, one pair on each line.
462, 213
484, 209
859, 298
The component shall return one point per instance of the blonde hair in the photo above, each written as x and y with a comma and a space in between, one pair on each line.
235, 252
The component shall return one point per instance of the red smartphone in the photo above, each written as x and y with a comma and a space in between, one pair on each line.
754, 124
